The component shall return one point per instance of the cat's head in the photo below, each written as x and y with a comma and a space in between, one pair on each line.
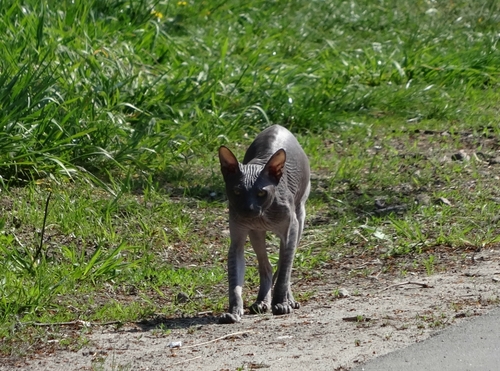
251, 188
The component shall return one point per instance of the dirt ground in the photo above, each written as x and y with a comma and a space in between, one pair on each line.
336, 329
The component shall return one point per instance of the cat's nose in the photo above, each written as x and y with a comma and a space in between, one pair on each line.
253, 210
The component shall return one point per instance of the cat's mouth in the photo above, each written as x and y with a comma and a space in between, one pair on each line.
252, 213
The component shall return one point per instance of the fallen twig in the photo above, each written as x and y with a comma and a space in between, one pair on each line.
70, 323
204, 313
186, 360
221, 338
421, 284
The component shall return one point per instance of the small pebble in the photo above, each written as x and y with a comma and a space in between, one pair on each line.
343, 293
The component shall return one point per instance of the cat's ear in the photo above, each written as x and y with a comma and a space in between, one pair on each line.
228, 162
275, 165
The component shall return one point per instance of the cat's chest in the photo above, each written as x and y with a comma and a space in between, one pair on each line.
273, 219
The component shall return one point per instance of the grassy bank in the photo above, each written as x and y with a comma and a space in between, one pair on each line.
116, 109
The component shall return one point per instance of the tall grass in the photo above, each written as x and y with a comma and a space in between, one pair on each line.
102, 87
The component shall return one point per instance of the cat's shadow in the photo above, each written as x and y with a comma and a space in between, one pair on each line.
161, 323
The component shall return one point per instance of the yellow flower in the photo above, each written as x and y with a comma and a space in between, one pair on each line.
182, 3
158, 15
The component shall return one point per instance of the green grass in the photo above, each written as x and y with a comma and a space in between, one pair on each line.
117, 109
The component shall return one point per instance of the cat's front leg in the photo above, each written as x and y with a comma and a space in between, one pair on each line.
283, 301
236, 275
263, 302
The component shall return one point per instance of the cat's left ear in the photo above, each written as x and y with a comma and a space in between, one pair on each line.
275, 165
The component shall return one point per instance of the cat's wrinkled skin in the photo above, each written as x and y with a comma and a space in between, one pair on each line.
266, 192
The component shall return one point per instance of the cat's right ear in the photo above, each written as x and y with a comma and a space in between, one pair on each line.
228, 162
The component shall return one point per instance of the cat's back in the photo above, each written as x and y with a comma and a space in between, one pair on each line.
269, 141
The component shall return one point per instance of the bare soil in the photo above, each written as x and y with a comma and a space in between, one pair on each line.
336, 329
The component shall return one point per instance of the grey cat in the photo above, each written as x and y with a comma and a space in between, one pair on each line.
267, 192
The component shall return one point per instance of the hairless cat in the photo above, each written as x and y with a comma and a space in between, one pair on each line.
266, 192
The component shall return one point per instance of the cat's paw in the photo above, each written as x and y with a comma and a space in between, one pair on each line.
285, 308
259, 307
229, 318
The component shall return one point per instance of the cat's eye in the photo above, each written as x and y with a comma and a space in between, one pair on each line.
236, 191
261, 193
